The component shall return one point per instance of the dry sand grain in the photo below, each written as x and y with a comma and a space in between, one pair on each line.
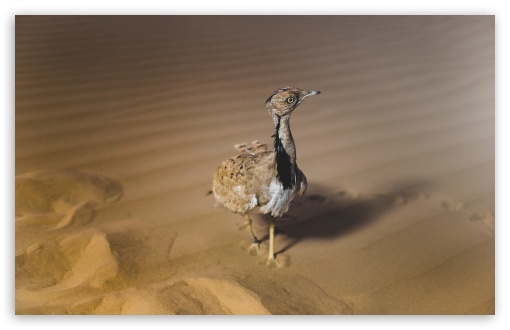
121, 121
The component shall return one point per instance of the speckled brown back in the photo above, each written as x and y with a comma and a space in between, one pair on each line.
239, 178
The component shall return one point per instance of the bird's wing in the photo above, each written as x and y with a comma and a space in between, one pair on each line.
242, 182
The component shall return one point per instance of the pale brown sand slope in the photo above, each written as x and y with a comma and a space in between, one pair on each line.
121, 121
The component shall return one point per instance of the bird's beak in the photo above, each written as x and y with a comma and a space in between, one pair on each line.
306, 94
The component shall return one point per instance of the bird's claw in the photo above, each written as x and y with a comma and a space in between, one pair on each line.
281, 262
254, 249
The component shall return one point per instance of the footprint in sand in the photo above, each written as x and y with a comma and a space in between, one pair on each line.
53, 199
481, 216
401, 198
348, 194
452, 204
484, 217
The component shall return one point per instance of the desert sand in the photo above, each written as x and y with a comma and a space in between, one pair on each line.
121, 122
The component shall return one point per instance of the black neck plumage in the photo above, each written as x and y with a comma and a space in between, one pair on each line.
284, 165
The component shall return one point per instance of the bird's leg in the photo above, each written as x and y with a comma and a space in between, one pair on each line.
250, 223
271, 258
271, 240
255, 246
282, 261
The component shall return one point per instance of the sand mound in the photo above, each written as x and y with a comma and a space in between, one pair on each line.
54, 199
51, 271
80, 259
192, 296
240, 294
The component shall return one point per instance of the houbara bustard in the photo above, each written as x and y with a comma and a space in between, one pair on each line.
259, 180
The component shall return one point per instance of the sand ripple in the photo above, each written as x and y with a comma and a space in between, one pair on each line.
398, 150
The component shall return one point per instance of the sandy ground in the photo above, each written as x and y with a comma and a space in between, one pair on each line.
121, 121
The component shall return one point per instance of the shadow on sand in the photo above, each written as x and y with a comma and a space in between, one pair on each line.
326, 214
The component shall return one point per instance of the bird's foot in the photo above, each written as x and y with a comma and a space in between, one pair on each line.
254, 249
280, 262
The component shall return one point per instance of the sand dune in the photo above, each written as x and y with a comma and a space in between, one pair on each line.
121, 121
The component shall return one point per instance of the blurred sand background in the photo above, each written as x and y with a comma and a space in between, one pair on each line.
121, 121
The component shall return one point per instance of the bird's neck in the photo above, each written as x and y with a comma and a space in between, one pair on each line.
284, 136
285, 151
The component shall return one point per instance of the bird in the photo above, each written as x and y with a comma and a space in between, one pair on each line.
261, 180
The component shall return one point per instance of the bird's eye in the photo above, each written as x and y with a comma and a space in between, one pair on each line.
290, 100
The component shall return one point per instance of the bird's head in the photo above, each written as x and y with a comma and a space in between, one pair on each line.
286, 99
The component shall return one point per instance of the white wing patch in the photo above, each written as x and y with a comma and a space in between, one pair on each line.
280, 200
